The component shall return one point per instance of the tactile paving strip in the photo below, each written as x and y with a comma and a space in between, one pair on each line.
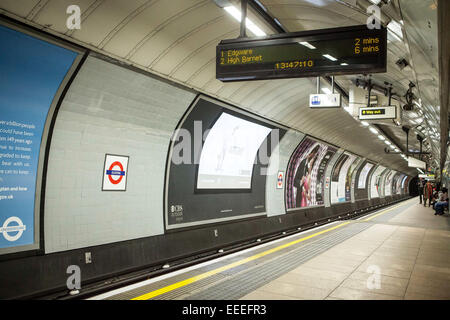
245, 282
386, 217
236, 282
241, 282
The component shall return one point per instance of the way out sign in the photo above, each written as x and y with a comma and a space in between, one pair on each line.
115, 173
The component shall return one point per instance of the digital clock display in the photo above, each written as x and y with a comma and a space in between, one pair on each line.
339, 51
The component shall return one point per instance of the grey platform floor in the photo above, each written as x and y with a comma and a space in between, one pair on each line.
401, 252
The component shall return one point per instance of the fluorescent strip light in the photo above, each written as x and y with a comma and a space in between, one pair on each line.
381, 137
308, 45
374, 131
392, 147
254, 28
393, 35
329, 57
236, 14
396, 150
396, 29
387, 142
326, 90
364, 123
344, 64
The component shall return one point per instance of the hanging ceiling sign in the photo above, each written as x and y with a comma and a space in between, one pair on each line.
332, 100
325, 52
426, 176
416, 163
375, 113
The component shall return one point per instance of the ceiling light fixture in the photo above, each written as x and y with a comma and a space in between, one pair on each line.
329, 57
395, 29
373, 130
308, 45
236, 14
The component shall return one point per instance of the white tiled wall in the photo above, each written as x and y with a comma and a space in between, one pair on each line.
275, 204
109, 109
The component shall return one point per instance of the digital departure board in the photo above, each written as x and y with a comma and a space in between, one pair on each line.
325, 52
373, 113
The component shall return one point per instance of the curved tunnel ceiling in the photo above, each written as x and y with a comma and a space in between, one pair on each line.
176, 40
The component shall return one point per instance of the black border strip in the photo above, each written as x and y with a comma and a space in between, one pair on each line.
47, 150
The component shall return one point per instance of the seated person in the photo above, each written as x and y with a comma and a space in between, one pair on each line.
434, 198
442, 202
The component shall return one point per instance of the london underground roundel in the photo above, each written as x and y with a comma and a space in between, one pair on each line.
115, 173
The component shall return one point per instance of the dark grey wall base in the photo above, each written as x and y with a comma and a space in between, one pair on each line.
39, 275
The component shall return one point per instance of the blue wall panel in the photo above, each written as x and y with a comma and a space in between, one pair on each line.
31, 73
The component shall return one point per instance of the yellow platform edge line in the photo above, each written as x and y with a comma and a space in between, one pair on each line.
183, 283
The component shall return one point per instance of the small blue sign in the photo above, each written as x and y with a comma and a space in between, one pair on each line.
115, 172
315, 100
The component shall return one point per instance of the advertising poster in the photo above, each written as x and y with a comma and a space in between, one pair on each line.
363, 175
406, 184
388, 183
348, 179
375, 182
397, 186
31, 73
403, 189
306, 174
229, 152
340, 180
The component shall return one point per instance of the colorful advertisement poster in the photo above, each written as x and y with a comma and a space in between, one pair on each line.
31, 73
305, 177
340, 180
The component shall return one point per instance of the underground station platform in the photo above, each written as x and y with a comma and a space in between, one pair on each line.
225, 158
400, 252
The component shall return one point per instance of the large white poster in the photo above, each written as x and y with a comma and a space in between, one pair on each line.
363, 175
229, 152
115, 173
